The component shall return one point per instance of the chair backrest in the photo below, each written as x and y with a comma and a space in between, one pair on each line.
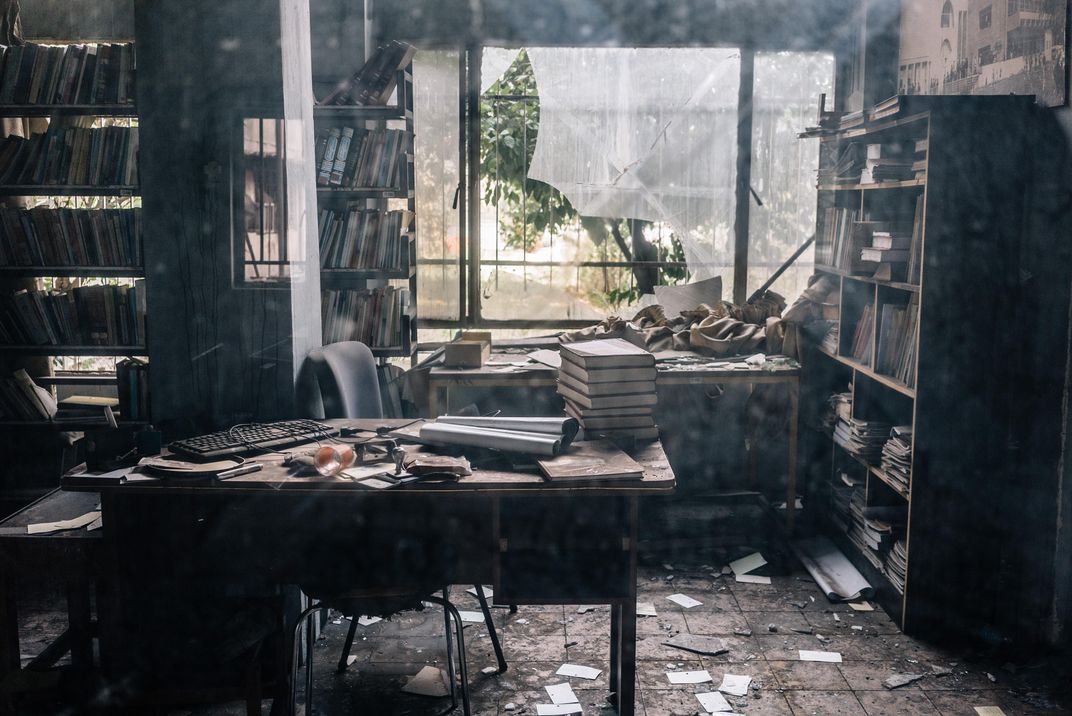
339, 381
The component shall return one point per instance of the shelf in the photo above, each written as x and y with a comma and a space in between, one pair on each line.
868, 127
391, 352
66, 190
365, 193
899, 285
859, 367
74, 271
360, 112
906, 184
338, 276
83, 110
80, 350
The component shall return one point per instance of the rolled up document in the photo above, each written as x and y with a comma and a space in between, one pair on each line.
564, 427
506, 440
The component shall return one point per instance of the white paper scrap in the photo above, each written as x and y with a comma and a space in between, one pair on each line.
752, 579
685, 601
861, 606
75, 523
989, 711
645, 609
561, 693
351, 659
471, 617
688, 677
429, 681
735, 685
488, 592
557, 709
713, 702
832, 657
744, 565
368, 621
581, 672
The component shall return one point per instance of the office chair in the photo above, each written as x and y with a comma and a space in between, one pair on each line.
339, 381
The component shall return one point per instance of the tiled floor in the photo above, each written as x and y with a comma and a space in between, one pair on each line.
538, 640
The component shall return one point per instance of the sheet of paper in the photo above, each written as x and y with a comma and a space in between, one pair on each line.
645, 609
675, 299
488, 593
362, 472
547, 357
752, 579
471, 617
581, 672
75, 523
744, 565
989, 711
95, 524
831, 657
429, 681
561, 693
713, 702
861, 606
368, 621
684, 601
688, 677
735, 685
557, 709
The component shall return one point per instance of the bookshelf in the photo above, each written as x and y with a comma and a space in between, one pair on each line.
80, 89
367, 223
929, 342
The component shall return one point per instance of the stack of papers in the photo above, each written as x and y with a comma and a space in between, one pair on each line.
897, 457
863, 438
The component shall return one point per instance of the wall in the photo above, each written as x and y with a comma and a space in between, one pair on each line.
78, 19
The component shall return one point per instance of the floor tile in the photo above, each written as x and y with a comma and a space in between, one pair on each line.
808, 676
824, 703
899, 702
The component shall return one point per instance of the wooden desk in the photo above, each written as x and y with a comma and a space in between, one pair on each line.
535, 542
497, 374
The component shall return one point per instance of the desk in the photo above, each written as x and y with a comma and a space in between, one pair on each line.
535, 542
497, 374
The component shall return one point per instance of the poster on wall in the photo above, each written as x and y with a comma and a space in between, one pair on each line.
984, 47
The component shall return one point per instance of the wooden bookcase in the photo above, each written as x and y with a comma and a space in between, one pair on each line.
401, 196
975, 550
131, 269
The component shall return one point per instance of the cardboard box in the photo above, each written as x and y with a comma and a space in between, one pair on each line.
466, 354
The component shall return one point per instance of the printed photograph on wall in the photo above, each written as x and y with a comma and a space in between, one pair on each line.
984, 47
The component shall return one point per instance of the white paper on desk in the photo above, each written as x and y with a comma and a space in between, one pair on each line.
75, 523
684, 601
429, 681
558, 709
735, 685
561, 693
581, 672
752, 579
744, 565
713, 702
830, 657
362, 472
675, 299
688, 677
547, 357
470, 617
645, 609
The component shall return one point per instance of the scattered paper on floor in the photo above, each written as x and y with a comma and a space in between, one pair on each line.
350, 660
557, 709
697, 644
713, 702
744, 565
684, 601
581, 672
861, 606
645, 609
831, 657
75, 523
429, 681
561, 694
471, 617
688, 677
989, 711
487, 591
735, 685
368, 621
898, 680
752, 578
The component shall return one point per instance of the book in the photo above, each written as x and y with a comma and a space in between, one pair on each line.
374, 82
606, 375
600, 389
884, 255
886, 241
648, 433
593, 460
132, 378
96, 73
39, 399
610, 423
604, 402
606, 353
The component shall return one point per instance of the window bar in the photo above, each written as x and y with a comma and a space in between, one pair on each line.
498, 199
525, 197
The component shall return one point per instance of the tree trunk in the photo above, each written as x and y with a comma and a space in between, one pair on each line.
643, 250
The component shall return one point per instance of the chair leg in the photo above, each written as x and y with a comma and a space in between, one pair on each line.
491, 628
450, 651
464, 673
310, 642
294, 637
348, 645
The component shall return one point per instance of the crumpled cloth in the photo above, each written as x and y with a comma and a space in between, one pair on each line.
721, 330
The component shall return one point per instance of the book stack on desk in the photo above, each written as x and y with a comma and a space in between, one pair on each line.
609, 387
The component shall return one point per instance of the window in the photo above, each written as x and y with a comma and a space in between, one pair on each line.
985, 17
604, 172
259, 186
947, 14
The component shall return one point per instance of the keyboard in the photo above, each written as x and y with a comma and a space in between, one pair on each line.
252, 437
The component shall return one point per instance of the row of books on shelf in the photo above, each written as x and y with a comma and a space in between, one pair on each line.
363, 238
22, 399
374, 82
897, 342
609, 387
863, 163
70, 237
353, 157
863, 336
878, 532
836, 247
94, 73
71, 155
887, 250
862, 438
372, 316
102, 315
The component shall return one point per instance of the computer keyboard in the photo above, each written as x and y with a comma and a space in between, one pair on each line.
252, 437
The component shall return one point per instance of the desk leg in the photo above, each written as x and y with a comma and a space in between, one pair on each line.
9, 624
79, 618
615, 648
791, 466
627, 633
751, 453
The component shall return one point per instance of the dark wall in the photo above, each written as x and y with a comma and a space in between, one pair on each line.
78, 19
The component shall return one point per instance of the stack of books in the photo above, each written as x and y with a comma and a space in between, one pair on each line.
890, 243
374, 82
363, 238
86, 409
70, 237
886, 163
875, 530
88, 315
609, 387
67, 74
357, 158
897, 456
862, 438
72, 156
841, 495
372, 316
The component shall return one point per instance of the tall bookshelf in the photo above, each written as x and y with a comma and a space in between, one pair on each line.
973, 566
72, 241
351, 270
